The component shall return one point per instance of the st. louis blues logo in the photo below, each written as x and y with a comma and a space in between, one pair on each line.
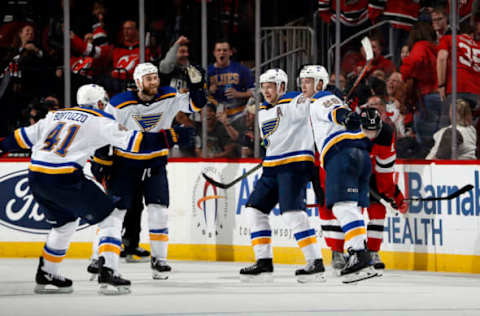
268, 128
147, 122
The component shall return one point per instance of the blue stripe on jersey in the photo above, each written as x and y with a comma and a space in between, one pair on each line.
25, 137
55, 252
304, 234
110, 240
159, 231
50, 164
130, 142
321, 94
352, 225
293, 153
262, 233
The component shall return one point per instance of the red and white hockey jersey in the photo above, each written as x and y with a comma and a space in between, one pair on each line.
403, 14
352, 12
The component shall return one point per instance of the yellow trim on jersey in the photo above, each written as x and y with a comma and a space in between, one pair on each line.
19, 139
138, 156
355, 232
338, 139
48, 170
334, 114
137, 142
168, 95
85, 110
174, 135
103, 161
284, 101
194, 107
287, 160
124, 104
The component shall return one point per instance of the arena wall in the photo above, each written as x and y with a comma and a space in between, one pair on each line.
207, 223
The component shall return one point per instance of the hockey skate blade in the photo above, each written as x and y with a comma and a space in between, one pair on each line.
135, 259
108, 289
52, 289
93, 277
160, 275
363, 274
259, 278
311, 278
380, 272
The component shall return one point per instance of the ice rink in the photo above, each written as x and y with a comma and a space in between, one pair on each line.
213, 288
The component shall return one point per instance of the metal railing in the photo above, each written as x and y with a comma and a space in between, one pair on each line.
287, 47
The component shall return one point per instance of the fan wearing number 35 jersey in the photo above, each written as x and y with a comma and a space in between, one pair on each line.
468, 68
61, 143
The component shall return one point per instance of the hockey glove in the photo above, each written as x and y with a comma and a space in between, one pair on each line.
398, 202
101, 172
186, 136
352, 121
195, 75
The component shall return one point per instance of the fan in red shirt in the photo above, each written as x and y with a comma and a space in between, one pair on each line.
468, 67
379, 62
126, 56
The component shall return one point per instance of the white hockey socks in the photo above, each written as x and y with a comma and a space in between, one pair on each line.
56, 246
349, 214
297, 221
110, 238
260, 233
158, 228
95, 242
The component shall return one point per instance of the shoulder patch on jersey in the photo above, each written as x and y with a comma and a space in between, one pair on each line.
124, 99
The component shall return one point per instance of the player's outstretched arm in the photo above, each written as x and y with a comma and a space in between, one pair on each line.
197, 85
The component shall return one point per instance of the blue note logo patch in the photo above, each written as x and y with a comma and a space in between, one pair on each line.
147, 122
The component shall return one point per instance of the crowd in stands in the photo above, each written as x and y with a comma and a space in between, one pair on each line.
411, 85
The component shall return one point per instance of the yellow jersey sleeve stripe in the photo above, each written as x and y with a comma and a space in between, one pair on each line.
135, 156
103, 161
137, 142
168, 95
338, 139
194, 107
287, 160
18, 137
47, 170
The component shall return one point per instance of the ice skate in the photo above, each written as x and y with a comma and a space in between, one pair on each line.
359, 267
261, 271
312, 272
338, 262
48, 283
109, 282
378, 265
160, 269
93, 268
135, 255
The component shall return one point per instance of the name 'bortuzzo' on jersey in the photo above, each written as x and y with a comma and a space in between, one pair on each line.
286, 132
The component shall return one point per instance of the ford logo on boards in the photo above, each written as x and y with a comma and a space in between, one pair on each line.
19, 210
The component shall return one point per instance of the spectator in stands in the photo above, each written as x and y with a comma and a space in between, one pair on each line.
173, 67
466, 136
440, 23
126, 55
468, 72
419, 72
395, 104
219, 143
379, 62
402, 15
404, 52
342, 82
229, 82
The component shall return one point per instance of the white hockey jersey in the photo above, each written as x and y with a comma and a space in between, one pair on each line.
158, 114
328, 132
286, 133
62, 142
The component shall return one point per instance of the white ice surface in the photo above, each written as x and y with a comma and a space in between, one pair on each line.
213, 288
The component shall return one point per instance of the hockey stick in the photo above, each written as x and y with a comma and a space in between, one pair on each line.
228, 185
451, 196
367, 46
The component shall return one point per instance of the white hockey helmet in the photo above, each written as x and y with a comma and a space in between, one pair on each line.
142, 70
316, 72
277, 76
88, 96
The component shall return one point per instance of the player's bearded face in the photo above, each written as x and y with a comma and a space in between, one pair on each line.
151, 83
308, 87
269, 91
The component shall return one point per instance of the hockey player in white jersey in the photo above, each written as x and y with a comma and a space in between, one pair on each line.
343, 149
151, 108
61, 143
287, 167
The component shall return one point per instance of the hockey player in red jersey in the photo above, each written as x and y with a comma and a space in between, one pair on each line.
383, 155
